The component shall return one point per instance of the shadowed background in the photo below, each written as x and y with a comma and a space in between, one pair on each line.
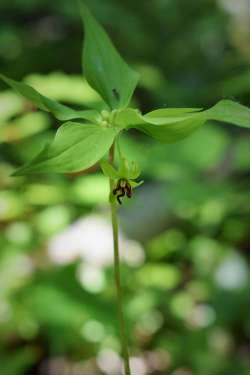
184, 235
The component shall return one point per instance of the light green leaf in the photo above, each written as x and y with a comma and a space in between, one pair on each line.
60, 111
173, 131
75, 147
104, 69
229, 111
174, 124
128, 118
171, 112
108, 170
169, 115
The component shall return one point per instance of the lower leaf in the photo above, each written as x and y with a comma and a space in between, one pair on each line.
75, 147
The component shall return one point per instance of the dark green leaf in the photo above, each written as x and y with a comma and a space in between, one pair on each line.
74, 148
60, 111
103, 67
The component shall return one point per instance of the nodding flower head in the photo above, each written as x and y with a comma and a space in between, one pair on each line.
124, 178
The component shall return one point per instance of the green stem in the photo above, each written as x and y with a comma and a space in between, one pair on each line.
117, 274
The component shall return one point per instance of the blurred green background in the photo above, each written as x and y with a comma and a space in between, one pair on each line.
185, 234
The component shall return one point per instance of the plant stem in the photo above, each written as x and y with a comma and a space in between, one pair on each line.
123, 335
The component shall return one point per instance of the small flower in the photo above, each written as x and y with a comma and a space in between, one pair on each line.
124, 178
123, 188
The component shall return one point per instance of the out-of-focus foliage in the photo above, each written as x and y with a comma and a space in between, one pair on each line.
185, 235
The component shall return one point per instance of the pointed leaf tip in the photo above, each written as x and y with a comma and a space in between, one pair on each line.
228, 111
103, 67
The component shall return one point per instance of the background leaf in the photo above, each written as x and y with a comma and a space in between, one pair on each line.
75, 147
60, 111
103, 67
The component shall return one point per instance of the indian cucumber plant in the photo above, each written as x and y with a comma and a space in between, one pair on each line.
87, 137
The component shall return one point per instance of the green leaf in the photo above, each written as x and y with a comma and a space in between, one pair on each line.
128, 118
103, 66
229, 111
171, 112
173, 131
60, 111
75, 147
170, 125
174, 124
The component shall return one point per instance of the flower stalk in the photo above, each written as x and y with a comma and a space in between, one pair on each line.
117, 273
